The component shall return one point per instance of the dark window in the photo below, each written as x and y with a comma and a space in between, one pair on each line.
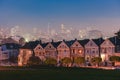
11, 46
5, 53
64, 50
2, 49
73, 50
87, 51
76, 44
93, 51
90, 44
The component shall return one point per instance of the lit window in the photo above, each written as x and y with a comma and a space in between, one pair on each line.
80, 51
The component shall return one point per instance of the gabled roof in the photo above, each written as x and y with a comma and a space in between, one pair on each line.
115, 40
30, 45
75, 42
107, 43
83, 42
69, 43
55, 44
98, 41
44, 45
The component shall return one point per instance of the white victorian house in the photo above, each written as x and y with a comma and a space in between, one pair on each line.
63, 50
107, 49
91, 50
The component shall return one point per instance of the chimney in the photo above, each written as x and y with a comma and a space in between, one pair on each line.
75, 39
40, 41
64, 40
52, 40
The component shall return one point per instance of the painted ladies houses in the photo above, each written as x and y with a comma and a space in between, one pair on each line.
63, 50
50, 50
39, 51
107, 49
77, 50
91, 50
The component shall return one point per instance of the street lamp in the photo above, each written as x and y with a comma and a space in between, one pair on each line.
103, 56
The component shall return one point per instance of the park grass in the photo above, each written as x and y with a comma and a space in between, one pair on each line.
60, 74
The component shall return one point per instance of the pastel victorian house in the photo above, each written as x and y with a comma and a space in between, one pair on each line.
39, 51
77, 49
50, 51
63, 50
107, 49
91, 50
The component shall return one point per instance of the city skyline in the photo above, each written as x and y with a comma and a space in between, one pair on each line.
102, 15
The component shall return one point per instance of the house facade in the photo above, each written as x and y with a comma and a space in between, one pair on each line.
91, 50
63, 51
39, 51
77, 50
50, 51
107, 49
9, 50
88, 48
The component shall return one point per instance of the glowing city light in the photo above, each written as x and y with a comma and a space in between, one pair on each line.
26, 40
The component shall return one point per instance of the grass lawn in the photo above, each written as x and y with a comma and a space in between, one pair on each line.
60, 74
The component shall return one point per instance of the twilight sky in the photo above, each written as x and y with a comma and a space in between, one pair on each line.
101, 14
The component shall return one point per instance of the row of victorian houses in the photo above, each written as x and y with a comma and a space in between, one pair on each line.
87, 48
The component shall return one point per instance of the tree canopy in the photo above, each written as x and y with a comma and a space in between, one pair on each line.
118, 34
34, 60
114, 58
66, 60
96, 60
79, 60
50, 61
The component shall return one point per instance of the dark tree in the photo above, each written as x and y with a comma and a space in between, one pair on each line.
114, 59
51, 61
118, 34
79, 60
13, 59
96, 60
34, 60
66, 61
